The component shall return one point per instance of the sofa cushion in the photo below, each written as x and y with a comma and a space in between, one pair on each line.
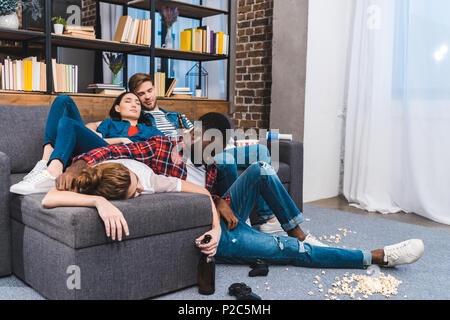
145, 215
284, 172
22, 135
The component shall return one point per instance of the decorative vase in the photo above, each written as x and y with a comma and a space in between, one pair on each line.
116, 79
59, 28
10, 21
168, 41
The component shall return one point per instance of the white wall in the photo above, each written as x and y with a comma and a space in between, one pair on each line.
329, 32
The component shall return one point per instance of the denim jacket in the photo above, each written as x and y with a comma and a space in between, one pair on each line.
173, 117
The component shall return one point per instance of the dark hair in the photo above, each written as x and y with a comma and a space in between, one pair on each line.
137, 79
214, 120
116, 115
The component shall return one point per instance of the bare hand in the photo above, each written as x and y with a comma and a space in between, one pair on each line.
209, 248
227, 214
126, 141
113, 220
65, 181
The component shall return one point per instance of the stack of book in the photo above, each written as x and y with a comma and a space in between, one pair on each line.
204, 40
164, 86
65, 77
136, 31
23, 75
107, 89
182, 93
80, 32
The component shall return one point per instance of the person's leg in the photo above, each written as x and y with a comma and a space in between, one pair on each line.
73, 138
62, 106
260, 179
240, 158
244, 245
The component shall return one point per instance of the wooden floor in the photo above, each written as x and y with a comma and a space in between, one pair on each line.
340, 203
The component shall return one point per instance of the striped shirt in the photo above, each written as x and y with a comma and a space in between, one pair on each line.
165, 126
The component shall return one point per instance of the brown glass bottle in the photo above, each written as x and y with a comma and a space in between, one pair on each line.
206, 272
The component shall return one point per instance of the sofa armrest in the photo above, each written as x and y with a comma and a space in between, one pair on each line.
5, 223
291, 153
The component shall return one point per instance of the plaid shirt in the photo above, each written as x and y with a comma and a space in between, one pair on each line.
160, 153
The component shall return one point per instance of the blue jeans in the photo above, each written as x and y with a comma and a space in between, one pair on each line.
244, 244
233, 159
66, 132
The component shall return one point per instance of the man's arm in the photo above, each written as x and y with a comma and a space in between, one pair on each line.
64, 182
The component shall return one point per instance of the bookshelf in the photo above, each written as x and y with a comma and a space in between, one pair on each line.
50, 41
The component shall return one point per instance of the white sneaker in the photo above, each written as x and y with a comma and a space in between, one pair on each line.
404, 252
41, 165
39, 182
271, 227
313, 241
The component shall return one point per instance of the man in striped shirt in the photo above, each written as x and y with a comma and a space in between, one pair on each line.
167, 122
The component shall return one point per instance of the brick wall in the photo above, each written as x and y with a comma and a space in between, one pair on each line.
253, 64
88, 15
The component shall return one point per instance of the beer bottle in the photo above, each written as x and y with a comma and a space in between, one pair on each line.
206, 272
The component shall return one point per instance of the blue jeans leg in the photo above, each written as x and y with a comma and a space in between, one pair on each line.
73, 138
240, 158
62, 106
257, 180
244, 245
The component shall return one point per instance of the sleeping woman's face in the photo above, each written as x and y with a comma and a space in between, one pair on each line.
129, 107
135, 188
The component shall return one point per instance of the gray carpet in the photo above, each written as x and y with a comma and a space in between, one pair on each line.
429, 278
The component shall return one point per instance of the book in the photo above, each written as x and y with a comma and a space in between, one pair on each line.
198, 40
81, 28
28, 65
170, 85
122, 28
185, 40
2, 75
220, 42
55, 82
105, 86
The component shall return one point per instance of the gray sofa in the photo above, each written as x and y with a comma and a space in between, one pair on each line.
63, 253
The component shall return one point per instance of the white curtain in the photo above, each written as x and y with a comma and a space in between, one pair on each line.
397, 135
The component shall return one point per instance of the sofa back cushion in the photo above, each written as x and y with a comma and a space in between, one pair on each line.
22, 135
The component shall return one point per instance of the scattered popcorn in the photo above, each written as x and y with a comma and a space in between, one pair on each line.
320, 286
307, 219
365, 285
317, 277
310, 293
323, 272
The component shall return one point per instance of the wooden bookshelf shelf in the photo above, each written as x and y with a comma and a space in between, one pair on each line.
186, 55
123, 47
186, 10
62, 40
20, 35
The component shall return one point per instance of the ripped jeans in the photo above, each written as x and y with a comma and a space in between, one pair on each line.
244, 244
